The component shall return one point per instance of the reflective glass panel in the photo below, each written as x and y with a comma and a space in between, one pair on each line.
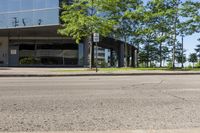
3, 5
39, 4
52, 3
39, 18
27, 4
26, 19
51, 16
3, 21
13, 5
23, 13
13, 20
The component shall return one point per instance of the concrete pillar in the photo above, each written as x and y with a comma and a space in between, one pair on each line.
133, 57
80, 54
121, 56
111, 58
128, 56
86, 52
4, 55
92, 56
136, 57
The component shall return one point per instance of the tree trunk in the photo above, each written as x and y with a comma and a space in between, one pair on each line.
182, 60
91, 52
174, 40
138, 50
160, 50
147, 62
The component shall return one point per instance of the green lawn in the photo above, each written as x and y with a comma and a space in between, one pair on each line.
131, 69
127, 69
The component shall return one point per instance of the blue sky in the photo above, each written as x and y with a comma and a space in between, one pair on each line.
190, 43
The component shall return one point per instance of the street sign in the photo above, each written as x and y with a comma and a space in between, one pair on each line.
96, 37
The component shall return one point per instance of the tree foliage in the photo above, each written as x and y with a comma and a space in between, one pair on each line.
152, 27
193, 58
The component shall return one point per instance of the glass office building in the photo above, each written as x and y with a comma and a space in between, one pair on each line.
28, 13
28, 35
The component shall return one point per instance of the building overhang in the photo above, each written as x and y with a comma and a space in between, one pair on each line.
41, 31
51, 33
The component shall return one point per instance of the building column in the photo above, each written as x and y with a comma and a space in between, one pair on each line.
111, 58
136, 58
86, 52
121, 55
128, 56
132, 57
92, 56
4, 51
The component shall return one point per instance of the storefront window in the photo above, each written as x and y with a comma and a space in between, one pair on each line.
48, 54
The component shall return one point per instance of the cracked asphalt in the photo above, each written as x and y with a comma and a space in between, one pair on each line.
99, 103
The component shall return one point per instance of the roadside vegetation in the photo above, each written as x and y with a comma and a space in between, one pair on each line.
157, 28
128, 69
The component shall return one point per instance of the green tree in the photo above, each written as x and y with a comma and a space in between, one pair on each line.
193, 58
180, 54
82, 18
181, 59
150, 27
197, 49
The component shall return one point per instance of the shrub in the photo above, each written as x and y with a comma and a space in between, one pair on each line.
197, 65
190, 66
28, 61
169, 65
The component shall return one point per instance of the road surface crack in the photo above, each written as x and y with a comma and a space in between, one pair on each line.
166, 93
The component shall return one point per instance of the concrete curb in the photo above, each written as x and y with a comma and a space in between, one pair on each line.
96, 74
124, 131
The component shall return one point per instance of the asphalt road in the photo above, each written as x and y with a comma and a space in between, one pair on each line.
99, 103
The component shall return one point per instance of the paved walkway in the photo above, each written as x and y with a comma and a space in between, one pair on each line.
14, 71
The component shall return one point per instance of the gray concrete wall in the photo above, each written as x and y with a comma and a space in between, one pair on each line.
4, 51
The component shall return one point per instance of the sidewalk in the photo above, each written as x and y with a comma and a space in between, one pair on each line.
59, 72
195, 130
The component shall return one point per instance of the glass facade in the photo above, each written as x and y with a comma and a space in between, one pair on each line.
42, 53
28, 13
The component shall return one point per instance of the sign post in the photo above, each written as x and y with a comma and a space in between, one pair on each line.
96, 40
